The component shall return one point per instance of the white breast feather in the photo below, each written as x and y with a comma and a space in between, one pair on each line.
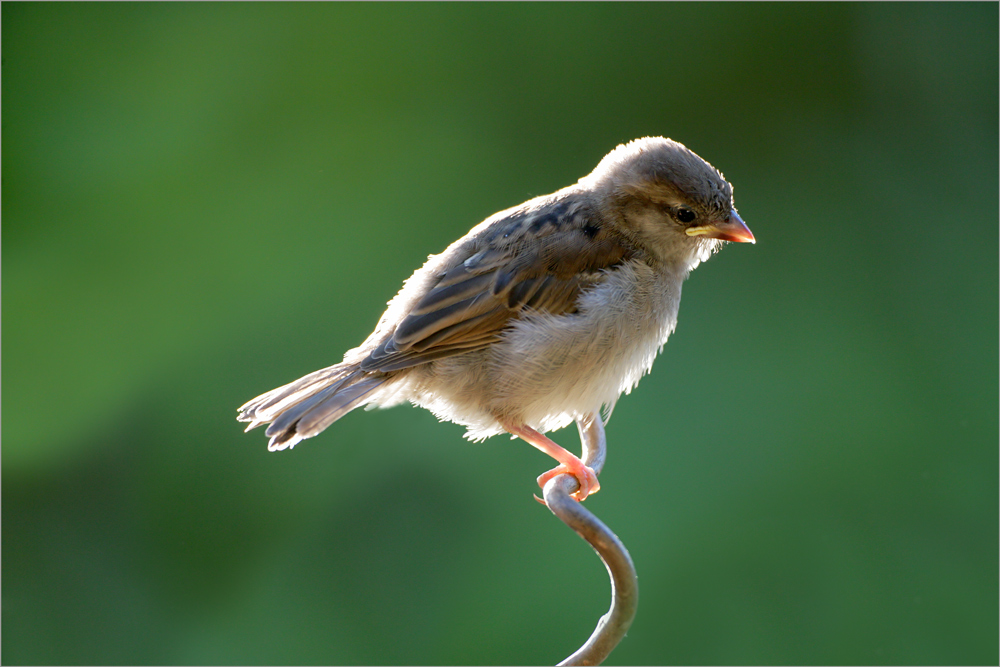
535, 373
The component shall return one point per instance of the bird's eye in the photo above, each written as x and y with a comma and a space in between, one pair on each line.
684, 214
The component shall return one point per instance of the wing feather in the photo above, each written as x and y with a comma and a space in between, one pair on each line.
533, 259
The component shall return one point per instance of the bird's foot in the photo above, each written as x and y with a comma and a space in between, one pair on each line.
585, 476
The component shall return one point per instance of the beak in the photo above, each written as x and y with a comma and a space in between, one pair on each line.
733, 229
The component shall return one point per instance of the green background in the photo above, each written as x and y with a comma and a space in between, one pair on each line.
204, 201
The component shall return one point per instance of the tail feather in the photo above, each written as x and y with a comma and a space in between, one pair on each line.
303, 408
336, 406
291, 412
267, 406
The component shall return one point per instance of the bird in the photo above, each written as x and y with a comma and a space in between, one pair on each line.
542, 314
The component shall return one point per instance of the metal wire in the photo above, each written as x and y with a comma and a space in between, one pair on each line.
611, 627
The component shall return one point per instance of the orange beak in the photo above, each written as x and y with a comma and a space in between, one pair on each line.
733, 229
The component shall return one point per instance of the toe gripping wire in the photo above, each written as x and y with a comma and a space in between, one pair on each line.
624, 584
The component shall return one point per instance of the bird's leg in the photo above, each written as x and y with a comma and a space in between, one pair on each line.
568, 463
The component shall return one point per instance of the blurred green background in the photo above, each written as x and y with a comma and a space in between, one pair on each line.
204, 201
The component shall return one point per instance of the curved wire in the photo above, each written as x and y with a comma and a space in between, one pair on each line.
624, 585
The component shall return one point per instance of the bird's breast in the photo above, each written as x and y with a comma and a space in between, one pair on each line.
546, 370
553, 368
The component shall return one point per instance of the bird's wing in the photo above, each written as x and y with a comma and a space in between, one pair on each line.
535, 259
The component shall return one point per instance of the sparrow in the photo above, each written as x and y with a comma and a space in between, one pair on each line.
542, 314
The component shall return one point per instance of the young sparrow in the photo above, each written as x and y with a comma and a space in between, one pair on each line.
540, 315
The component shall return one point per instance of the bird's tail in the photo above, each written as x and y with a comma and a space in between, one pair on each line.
303, 408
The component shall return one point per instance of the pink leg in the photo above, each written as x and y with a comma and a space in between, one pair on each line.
568, 463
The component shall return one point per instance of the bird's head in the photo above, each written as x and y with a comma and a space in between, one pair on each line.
668, 197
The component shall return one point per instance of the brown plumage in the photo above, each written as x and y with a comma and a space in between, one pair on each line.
541, 314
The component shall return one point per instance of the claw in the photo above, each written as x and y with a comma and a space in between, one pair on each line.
568, 463
585, 476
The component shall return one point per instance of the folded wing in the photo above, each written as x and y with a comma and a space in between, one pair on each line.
538, 260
